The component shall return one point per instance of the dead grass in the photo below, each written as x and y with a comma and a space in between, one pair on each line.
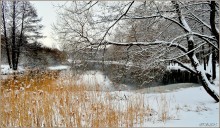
31, 81
35, 99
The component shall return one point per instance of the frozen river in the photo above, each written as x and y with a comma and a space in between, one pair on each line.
92, 78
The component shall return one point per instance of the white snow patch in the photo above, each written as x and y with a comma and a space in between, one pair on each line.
175, 66
209, 66
93, 78
59, 67
216, 81
70, 60
213, 88
5, 70
188, 107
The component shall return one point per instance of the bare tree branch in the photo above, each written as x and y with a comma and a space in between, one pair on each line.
184, 66
179, 46
117, 21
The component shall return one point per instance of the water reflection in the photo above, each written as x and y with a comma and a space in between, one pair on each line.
117, 76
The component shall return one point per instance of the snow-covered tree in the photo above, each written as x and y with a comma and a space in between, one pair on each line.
182, 27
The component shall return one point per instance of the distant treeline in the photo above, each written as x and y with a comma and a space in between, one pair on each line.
34, 54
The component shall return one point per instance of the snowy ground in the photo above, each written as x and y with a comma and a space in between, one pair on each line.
188, 107
5, 69
59, 67
182, 106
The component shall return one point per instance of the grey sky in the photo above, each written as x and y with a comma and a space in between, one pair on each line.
46, 10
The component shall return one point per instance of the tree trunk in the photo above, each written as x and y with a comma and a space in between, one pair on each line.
203, 51
212, 21
213, 64
21, 35
204, 79
194, 61
206, 84
202, 75
216, 34
14, 50
5, 35
203, 55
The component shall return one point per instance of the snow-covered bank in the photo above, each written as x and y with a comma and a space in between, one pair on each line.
91, 79
175, 66
176, 105
167, 88
5, 69
59, 67
193, 107
122, 62
63, 106
188, 107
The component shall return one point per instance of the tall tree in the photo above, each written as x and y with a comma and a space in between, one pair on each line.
5, 33
21, 24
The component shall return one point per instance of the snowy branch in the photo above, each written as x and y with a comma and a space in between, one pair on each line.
179, 46
200, 20
154, 16
84, 8
185, 53
186, 67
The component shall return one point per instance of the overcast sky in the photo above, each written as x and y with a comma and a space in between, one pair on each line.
47, 11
